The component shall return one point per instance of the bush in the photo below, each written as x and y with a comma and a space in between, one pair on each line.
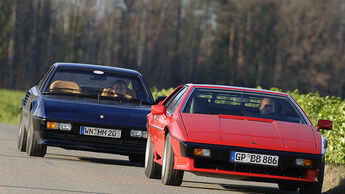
330, 108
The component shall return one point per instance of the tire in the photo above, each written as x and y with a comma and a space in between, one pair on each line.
314, 188
33, 148
21, 143
137, 158
170, 176
288, 186
152, 169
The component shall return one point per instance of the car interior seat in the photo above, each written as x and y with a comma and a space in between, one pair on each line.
65, 86
199, 105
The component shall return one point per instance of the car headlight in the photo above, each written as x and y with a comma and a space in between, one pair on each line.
61, 126
202, 152
303, 162
65, 126
138, 133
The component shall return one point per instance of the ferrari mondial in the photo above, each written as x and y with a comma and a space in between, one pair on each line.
233, 132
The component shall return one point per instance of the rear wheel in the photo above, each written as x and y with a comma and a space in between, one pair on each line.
21, 143
152, 169
170, 176
314, 188
33, 148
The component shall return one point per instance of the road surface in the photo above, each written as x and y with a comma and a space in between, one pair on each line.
66, 171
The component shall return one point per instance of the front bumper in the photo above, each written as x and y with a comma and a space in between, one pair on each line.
73, 140
219, 165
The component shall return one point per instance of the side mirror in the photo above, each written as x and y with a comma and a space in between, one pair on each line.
324, 124
158, 109
159, 99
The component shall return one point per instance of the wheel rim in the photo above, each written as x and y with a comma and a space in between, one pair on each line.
147, 152
29, 143
20, 137
164, 159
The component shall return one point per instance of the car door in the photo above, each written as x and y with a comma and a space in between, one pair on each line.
158, 131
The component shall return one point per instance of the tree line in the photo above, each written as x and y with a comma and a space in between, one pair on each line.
268, 43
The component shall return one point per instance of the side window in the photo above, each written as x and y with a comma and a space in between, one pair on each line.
40, 83
172, 105
171, 97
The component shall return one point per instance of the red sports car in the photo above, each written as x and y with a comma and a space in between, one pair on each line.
234, 132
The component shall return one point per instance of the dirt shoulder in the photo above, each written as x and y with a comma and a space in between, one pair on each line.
334, 179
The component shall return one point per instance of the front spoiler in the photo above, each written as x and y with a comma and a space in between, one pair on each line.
187, 164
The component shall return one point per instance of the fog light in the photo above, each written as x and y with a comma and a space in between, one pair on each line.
202, 152
299, 162
52, 125
136, 133
65, 126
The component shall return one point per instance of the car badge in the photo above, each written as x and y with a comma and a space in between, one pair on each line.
101, 116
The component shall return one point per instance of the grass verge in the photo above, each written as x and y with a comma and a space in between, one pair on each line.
10, 103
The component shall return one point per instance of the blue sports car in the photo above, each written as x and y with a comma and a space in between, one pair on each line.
86, 107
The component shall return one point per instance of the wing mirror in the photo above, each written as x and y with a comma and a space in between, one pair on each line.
158, 109
324, 124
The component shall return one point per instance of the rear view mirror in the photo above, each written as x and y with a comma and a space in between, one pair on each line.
324, 124
157, 109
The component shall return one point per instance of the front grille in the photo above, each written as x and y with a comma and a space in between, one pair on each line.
265, 170
104, 140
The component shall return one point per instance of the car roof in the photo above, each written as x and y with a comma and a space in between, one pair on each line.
237, 88
96, 67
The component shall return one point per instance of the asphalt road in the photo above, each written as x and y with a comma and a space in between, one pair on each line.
66, 171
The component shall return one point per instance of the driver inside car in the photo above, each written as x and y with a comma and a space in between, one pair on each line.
119, 89
266, 106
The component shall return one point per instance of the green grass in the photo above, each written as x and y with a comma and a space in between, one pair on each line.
10, 103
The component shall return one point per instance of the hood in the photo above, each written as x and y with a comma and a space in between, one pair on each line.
93, 112
249, 132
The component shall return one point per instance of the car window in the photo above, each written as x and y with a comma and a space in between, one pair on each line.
110, 85
43, 79
249, 104
171, 97
172, 105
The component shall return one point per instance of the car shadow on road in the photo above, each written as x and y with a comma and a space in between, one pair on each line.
111, 161
232, 187
93, 160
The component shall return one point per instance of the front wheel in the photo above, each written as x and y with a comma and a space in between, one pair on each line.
314, 188
21, 143
152, 169
170, 176
33, 148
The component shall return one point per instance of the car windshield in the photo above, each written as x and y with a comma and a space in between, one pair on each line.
97, 84
240, 103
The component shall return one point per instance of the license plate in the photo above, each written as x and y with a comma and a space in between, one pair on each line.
251, 158
94, 131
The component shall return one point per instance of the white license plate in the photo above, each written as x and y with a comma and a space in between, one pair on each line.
94, 131
251, 158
